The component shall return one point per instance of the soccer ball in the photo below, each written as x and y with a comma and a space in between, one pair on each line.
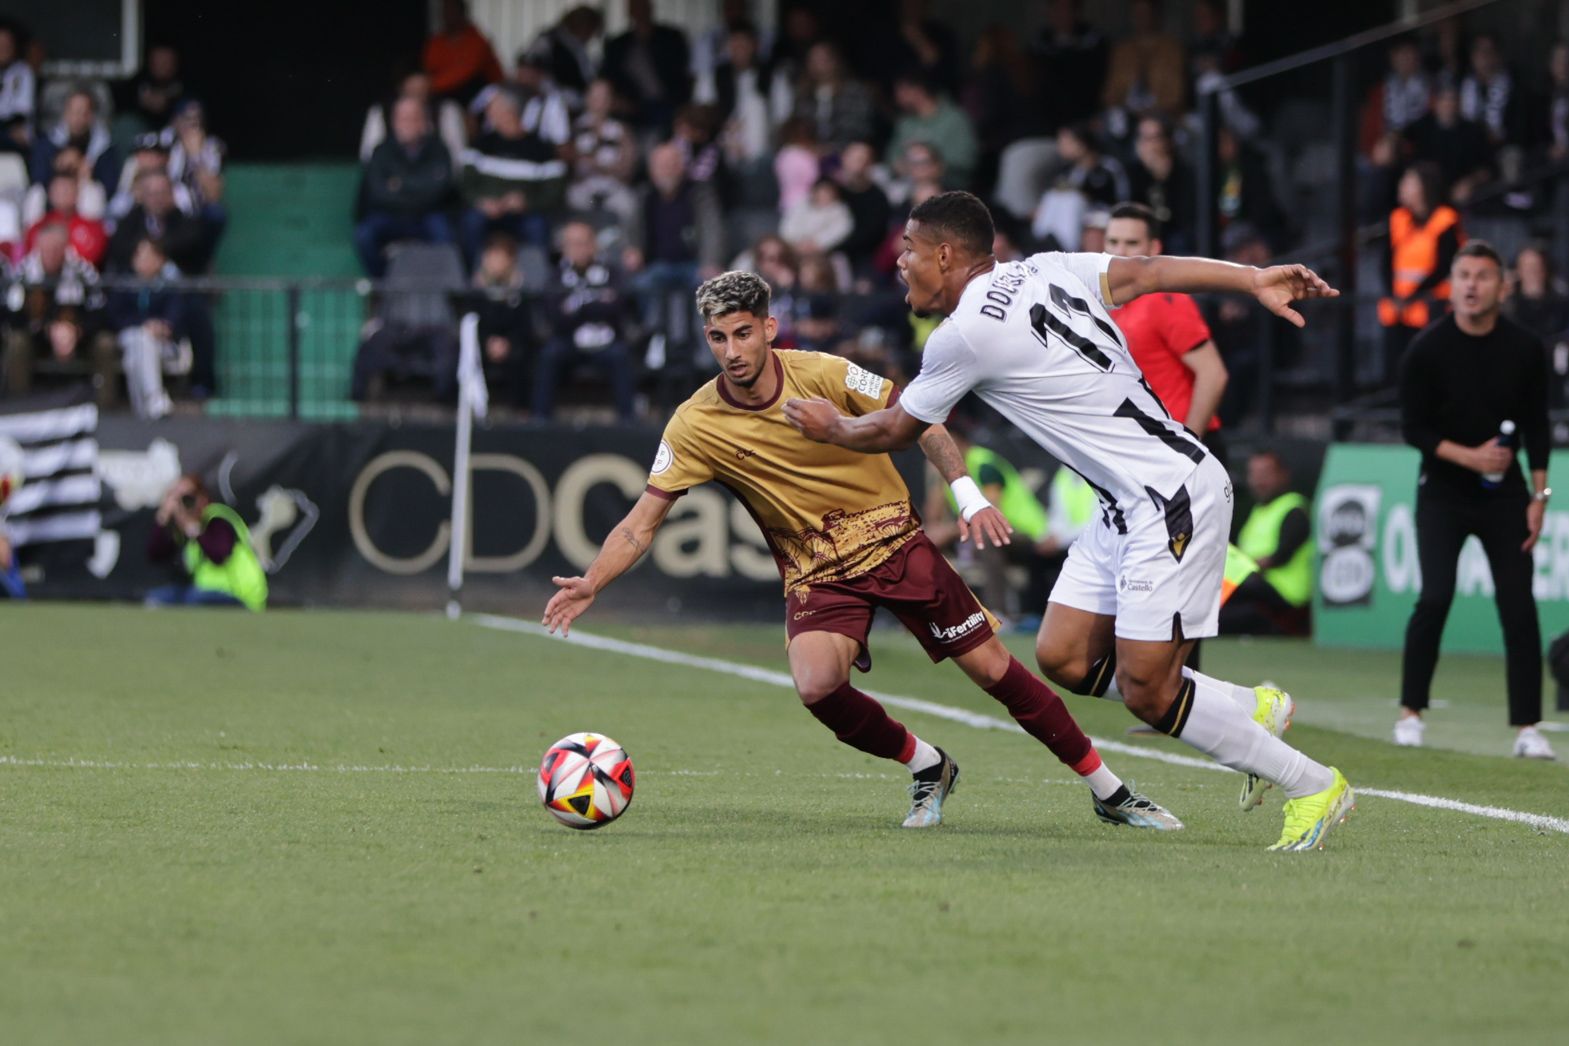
10, 468
585, 780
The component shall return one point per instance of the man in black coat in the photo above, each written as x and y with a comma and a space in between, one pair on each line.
155, 216
408, 183
650, 64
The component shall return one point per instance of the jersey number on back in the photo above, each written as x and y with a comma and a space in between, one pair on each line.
1043, 322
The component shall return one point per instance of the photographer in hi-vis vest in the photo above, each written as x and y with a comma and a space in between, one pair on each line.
1424, 234
213, 546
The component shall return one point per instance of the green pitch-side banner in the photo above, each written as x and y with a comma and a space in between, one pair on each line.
1368, 576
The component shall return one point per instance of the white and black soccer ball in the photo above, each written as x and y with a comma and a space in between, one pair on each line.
586, 780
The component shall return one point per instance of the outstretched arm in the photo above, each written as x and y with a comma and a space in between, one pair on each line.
875, 433
977, 512
1275, 287
623, 548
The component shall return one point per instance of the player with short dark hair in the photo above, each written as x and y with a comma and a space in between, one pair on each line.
847, 540
1035, 341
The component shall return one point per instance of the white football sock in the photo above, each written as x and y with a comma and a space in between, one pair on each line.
1244, 696
925, 757
1103, 782
1220, 729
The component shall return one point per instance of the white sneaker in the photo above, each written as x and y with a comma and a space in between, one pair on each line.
1530, 744
1409, 730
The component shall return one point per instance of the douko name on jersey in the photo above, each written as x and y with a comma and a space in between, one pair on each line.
859, 379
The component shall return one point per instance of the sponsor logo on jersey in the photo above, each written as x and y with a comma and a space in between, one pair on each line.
859, 379
663, 458
1179, 544
959, 631
1128, 584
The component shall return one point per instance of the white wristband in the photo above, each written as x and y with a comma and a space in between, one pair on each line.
969, 497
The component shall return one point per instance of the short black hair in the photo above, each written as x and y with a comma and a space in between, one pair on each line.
1481, 249
959, 217
1139, 212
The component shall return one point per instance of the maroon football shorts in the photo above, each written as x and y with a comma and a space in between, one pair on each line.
917, 585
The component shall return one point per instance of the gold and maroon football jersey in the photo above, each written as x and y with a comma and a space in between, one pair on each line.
828, 513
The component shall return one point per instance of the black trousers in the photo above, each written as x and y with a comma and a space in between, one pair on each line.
1442, 525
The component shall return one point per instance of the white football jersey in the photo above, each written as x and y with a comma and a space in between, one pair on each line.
1032, 339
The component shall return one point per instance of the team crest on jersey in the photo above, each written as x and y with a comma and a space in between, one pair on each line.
662, 458
859, 379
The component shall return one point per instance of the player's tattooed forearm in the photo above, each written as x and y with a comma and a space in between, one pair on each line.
941, 451
631, 539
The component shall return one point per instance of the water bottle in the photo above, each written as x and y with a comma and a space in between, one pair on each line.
1506, 438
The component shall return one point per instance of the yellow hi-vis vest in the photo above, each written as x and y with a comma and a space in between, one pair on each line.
241, 575
1018, 504
1260, 536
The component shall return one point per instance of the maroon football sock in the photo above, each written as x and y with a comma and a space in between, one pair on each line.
1037, 708
860, 722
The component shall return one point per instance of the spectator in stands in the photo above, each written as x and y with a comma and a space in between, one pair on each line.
1075, 53
565, 45
774, 260
870, 213
710, 45
820, 223
148, 322
1459, 147
87, 237
1002, 95
840, 109
921, 165
1277, 534
932, 118
408, 185
213, 547
1162, 182
60, 318
918, 45
797, 164
1088, 180
800, 30
696, 133
156, 215
1396, 102
1246, 192
150, 155
750, 99
91, 199
588, 318
1424, 236
1148, 69
196, 162
650, 64
458, 58
513, 180
445, 115
1551, 128
606, 157
17, 95
1487, 94
1535, 303
155, 92
545, 111
79, 126
1092, 235
1213, 41
1446, 56
506, 320
675, 240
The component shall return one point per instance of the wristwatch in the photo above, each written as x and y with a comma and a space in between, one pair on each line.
1545, 494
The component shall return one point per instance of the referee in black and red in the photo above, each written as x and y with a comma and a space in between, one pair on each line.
1460, 380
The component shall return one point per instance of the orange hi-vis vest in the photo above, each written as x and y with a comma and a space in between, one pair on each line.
1415, 251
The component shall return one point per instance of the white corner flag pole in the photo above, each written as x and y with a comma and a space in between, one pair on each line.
473, 401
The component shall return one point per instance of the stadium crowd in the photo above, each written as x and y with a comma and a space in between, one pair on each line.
613, 173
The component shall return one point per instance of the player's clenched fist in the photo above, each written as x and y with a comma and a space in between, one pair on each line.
815, 418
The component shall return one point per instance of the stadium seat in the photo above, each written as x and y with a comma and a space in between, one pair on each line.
437, 269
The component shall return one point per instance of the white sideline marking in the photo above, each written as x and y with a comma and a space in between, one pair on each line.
975, 719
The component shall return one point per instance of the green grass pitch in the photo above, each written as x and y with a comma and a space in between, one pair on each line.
319, 827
